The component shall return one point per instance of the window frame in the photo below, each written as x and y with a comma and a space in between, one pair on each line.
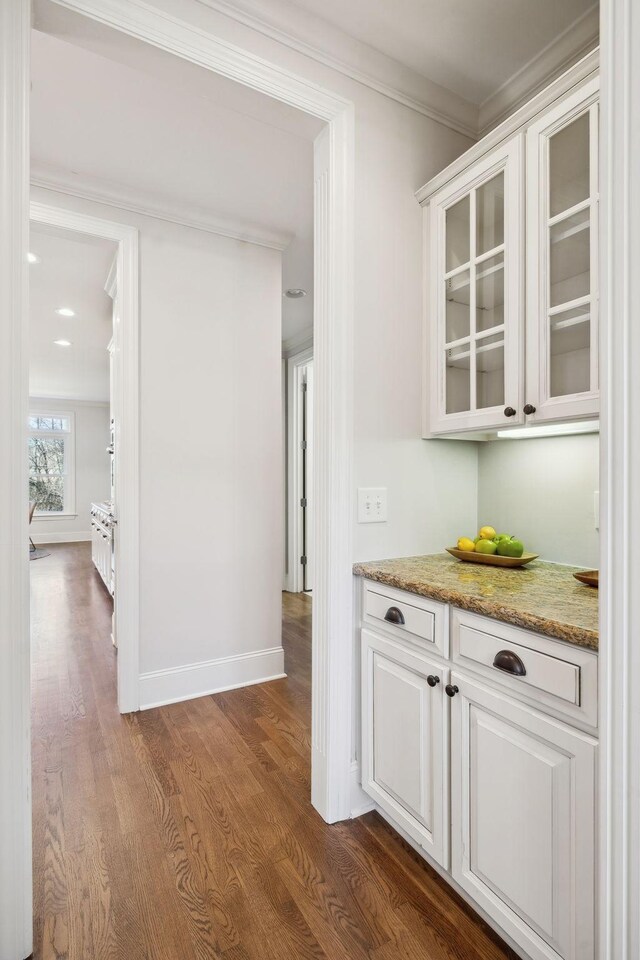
69, 470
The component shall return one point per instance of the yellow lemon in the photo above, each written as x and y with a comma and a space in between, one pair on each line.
487, 533
464, 543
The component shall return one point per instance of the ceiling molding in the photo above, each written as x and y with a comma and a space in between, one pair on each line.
298, 342
48, 398
150, 205
428, 98
579, 74
566, 49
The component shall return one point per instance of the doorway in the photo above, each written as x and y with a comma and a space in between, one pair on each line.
300, 498
111, 373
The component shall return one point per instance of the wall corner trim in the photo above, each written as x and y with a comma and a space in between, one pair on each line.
191, 680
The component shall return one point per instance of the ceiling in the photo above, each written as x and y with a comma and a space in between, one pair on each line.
71, 273
470, 47
166, 130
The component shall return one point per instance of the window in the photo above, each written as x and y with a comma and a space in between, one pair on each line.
51, 467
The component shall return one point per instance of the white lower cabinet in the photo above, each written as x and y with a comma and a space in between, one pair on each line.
484, 778
405, 736
523, 820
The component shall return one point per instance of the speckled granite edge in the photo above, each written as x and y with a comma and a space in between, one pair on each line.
383, 572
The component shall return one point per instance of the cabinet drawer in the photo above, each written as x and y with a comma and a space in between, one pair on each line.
419, 619
550, 673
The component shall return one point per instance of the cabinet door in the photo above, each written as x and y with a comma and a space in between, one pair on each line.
562, 259
475, 366
404, 737
523, 821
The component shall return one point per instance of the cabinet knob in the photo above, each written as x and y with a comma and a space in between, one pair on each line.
510, 662
451, 690
510, 412
529, 409
432, 680
393, 615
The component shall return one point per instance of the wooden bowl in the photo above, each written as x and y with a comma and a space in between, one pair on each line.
492, 559
590, 577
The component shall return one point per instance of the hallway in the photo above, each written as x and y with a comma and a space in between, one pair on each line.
186, 831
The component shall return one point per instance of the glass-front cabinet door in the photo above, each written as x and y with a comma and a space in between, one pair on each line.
475, 301
562, 268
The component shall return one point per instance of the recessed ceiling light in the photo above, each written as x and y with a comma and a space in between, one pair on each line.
33, 258
62, 343
295, 293
65, 312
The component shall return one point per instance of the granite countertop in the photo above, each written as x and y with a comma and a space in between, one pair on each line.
541, 596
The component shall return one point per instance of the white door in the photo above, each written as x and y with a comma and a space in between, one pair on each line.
562, 260
476, 295
307, 491
523, 820
404, 737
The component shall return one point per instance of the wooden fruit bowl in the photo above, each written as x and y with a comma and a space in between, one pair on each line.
492, 559
590, 577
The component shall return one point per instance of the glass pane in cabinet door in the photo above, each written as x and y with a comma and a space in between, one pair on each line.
490, 371
457, 234
457, 294
569, 166
490, 293
490, 215
458, 379
570, 352
569, 258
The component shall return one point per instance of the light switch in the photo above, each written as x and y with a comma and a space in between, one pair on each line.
372, 504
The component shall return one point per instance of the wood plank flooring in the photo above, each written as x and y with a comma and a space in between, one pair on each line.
187, 832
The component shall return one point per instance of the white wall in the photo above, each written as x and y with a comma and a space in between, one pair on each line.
91, 468
542, 491
211, 448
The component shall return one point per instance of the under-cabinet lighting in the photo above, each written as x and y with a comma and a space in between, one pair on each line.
62, 343
295, 293
33, 258
65, 312
550, 430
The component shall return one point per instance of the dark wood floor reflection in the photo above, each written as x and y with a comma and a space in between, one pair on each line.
187, 832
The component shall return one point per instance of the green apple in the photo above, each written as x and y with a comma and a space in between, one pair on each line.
510, 547
486, 546
501, 536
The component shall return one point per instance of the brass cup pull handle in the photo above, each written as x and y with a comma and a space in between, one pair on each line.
432, 680
393, 615
510, 662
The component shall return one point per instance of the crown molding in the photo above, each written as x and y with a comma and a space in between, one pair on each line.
579, 74
383, 74
556, 58
151, 205
298, 342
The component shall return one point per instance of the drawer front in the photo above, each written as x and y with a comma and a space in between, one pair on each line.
422, 621
547, 672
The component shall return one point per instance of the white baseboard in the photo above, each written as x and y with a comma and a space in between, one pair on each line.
160, 687
71, 537
361, 802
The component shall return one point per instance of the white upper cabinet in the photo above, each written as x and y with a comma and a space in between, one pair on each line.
562, 259
475, 302
512, 299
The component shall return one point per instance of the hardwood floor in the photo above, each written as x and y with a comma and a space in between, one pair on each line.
187, 832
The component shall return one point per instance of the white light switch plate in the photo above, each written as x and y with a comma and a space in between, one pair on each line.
372, 504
